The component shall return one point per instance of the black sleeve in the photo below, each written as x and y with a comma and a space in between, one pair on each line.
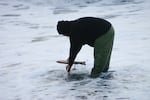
75, 47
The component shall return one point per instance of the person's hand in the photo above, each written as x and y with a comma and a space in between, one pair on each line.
68, 67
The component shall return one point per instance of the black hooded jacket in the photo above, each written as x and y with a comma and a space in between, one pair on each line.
83, 31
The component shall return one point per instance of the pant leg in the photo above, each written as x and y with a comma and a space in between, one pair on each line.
102, 53
109, 56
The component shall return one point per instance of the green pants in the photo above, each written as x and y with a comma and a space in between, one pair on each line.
102, 53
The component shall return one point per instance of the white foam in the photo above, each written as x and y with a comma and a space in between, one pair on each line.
30, 47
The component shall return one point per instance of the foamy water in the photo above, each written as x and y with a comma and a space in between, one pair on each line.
30, 47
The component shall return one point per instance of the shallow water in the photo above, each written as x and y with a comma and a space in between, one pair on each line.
30, 47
